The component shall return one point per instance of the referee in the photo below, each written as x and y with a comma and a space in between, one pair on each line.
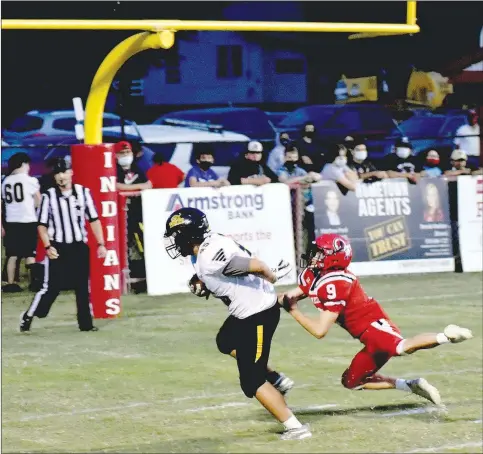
61, 226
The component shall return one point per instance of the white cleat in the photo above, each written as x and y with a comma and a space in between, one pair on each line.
456, 334
297, 434
284, 384
422, 388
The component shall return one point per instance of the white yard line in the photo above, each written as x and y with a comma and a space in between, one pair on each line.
413, 411
182, 399
217, 407
313, 407
430, 297
471, 444
133, 405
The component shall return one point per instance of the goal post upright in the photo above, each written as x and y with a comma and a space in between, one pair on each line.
155, 34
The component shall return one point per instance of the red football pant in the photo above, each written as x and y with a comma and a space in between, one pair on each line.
381, 341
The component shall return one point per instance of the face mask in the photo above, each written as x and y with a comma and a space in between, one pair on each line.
205, 165
125, 161
403, 152
340, 161
284, 141
290, 165
432, 162
360, 155
309, 134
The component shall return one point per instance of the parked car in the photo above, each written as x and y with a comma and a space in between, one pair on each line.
177, 143
427, 132
38, 123
335, 122
276, 117
249, 121
42, 148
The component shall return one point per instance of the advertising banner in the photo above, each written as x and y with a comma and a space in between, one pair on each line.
394, 227
259, 218
470, 222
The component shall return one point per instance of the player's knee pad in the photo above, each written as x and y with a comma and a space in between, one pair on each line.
250, 384
223, 344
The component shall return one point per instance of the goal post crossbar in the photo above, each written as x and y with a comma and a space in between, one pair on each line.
160, 34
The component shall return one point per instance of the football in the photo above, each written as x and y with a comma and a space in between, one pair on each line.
197, 287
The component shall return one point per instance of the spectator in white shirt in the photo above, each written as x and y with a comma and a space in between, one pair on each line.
337, 169
276, 157
468, 135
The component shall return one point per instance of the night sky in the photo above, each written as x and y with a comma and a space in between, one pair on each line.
45, 69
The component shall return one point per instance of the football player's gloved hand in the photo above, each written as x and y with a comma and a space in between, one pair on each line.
282, 269
198, 288
287, 303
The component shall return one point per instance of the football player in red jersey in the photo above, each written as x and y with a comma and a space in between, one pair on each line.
339, 295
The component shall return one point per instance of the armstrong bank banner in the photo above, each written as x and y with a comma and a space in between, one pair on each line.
470, 221
259, 218
394, 227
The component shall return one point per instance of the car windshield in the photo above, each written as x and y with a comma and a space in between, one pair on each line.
316, 114
422, 126
252, 123
26, 123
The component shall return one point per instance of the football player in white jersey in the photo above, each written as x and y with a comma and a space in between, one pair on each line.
244, 284
20, 197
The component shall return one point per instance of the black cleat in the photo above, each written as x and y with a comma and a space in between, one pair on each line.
11, 288
25, 322
94, 328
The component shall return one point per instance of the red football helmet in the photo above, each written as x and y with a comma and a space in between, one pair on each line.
330, 252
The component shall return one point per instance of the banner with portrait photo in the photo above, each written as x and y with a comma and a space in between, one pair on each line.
394, 227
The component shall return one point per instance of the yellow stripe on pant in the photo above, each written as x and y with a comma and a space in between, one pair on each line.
259, 342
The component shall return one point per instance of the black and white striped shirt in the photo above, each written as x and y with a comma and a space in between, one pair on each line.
64, 214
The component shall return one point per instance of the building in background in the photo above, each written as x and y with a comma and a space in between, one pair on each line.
223, 67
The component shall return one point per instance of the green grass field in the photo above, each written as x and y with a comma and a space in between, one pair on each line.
154, 381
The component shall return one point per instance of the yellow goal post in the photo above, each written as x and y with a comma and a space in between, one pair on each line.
160, 34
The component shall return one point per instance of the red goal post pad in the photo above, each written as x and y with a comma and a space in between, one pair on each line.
94, 166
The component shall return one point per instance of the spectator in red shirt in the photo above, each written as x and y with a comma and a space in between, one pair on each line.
163, 174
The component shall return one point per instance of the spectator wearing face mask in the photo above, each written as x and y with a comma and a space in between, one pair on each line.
401, 163
249, 170
276, 158
291, 172
431, 165
460, 165
309, 149
201, 174
337, 169
129, 176
468, 135
360, 164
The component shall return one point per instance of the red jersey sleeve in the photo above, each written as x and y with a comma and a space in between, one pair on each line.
305, 280
333, 295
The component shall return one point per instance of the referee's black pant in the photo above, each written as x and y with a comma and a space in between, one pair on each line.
70, 271
252, 339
